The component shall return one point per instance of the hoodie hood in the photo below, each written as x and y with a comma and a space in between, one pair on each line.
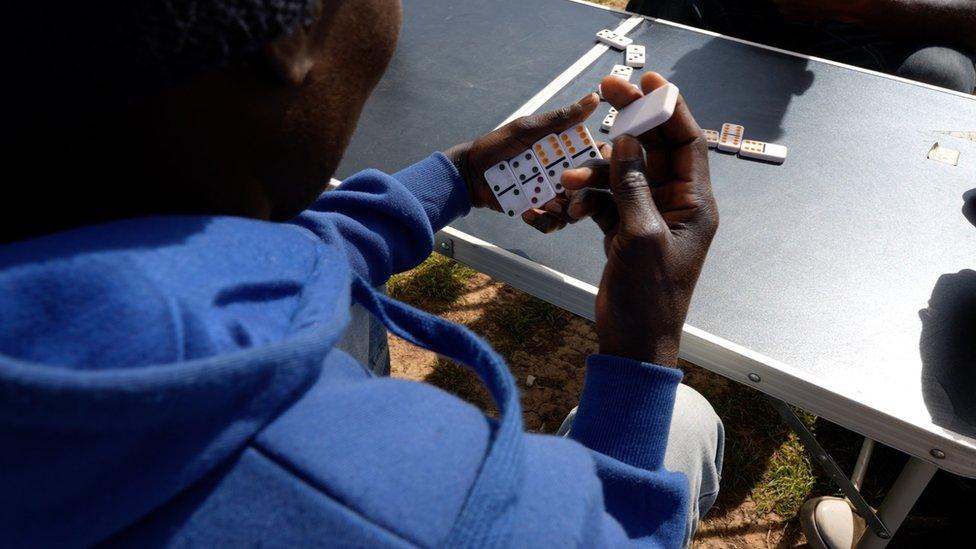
132, 362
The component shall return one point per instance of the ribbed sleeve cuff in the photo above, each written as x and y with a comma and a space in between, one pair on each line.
439, 188
625, 409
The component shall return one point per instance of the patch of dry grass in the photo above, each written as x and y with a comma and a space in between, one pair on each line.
767, 473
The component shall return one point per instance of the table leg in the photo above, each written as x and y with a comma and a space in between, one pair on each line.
874, 522
903, 494
861, 465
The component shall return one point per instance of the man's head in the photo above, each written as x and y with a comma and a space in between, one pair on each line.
208, 106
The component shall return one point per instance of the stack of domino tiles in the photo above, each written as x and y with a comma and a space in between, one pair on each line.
634, 57
730, 140
531, 178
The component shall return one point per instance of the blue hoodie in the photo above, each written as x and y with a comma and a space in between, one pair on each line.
174, 381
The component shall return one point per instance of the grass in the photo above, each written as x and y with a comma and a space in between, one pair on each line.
463, 383
767, 475
765, 463
764, 460
437, 279
517, 324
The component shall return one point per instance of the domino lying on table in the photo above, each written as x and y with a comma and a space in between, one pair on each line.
730, 140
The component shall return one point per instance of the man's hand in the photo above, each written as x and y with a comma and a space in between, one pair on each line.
658, 224
473, 158
845, 11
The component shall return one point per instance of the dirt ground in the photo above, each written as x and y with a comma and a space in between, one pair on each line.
767, 473
551, 346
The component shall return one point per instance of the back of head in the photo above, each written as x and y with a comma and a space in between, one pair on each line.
120, 108
67, 60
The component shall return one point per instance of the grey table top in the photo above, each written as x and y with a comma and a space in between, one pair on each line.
461, 67
849, 263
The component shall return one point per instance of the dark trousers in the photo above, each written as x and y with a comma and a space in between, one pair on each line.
758, 21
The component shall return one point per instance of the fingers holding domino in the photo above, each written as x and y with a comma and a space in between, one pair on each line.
681, 127
523, 132
555, 214
473, 159
676, 151
619, 92
593, 174
546, 221
586, 188
676, 148
569, 208
676, 158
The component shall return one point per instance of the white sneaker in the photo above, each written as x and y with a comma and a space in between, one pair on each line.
830, 523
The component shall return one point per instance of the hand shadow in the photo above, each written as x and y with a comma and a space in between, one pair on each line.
756, 85
969, 206
948, 351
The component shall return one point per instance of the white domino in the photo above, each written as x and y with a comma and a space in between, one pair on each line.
530, 175
770, 152
580, 145
635, 56
609, 119
613, 39
623, 71
711, 137
646, 113
506, 189
553, 159
730, 138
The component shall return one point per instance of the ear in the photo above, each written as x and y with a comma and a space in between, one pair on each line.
290, 57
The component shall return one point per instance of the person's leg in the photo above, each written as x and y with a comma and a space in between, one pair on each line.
379, 347
678, 11
696, 444
940, 66
758, 21
365, 341
937, 65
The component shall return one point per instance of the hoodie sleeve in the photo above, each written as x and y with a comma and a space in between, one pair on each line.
386, 224
625, 409
623, 418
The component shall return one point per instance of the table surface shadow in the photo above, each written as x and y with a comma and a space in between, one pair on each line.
849, 262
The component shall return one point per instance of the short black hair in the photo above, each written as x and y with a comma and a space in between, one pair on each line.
67, 57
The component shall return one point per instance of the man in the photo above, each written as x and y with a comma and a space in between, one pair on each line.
931, 41
173, 286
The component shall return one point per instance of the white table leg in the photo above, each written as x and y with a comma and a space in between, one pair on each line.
861, 466
903, 494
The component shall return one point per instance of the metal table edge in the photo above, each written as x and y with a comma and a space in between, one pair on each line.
725, 358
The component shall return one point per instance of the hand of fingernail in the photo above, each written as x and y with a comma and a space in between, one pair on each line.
627, 148
575, 210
